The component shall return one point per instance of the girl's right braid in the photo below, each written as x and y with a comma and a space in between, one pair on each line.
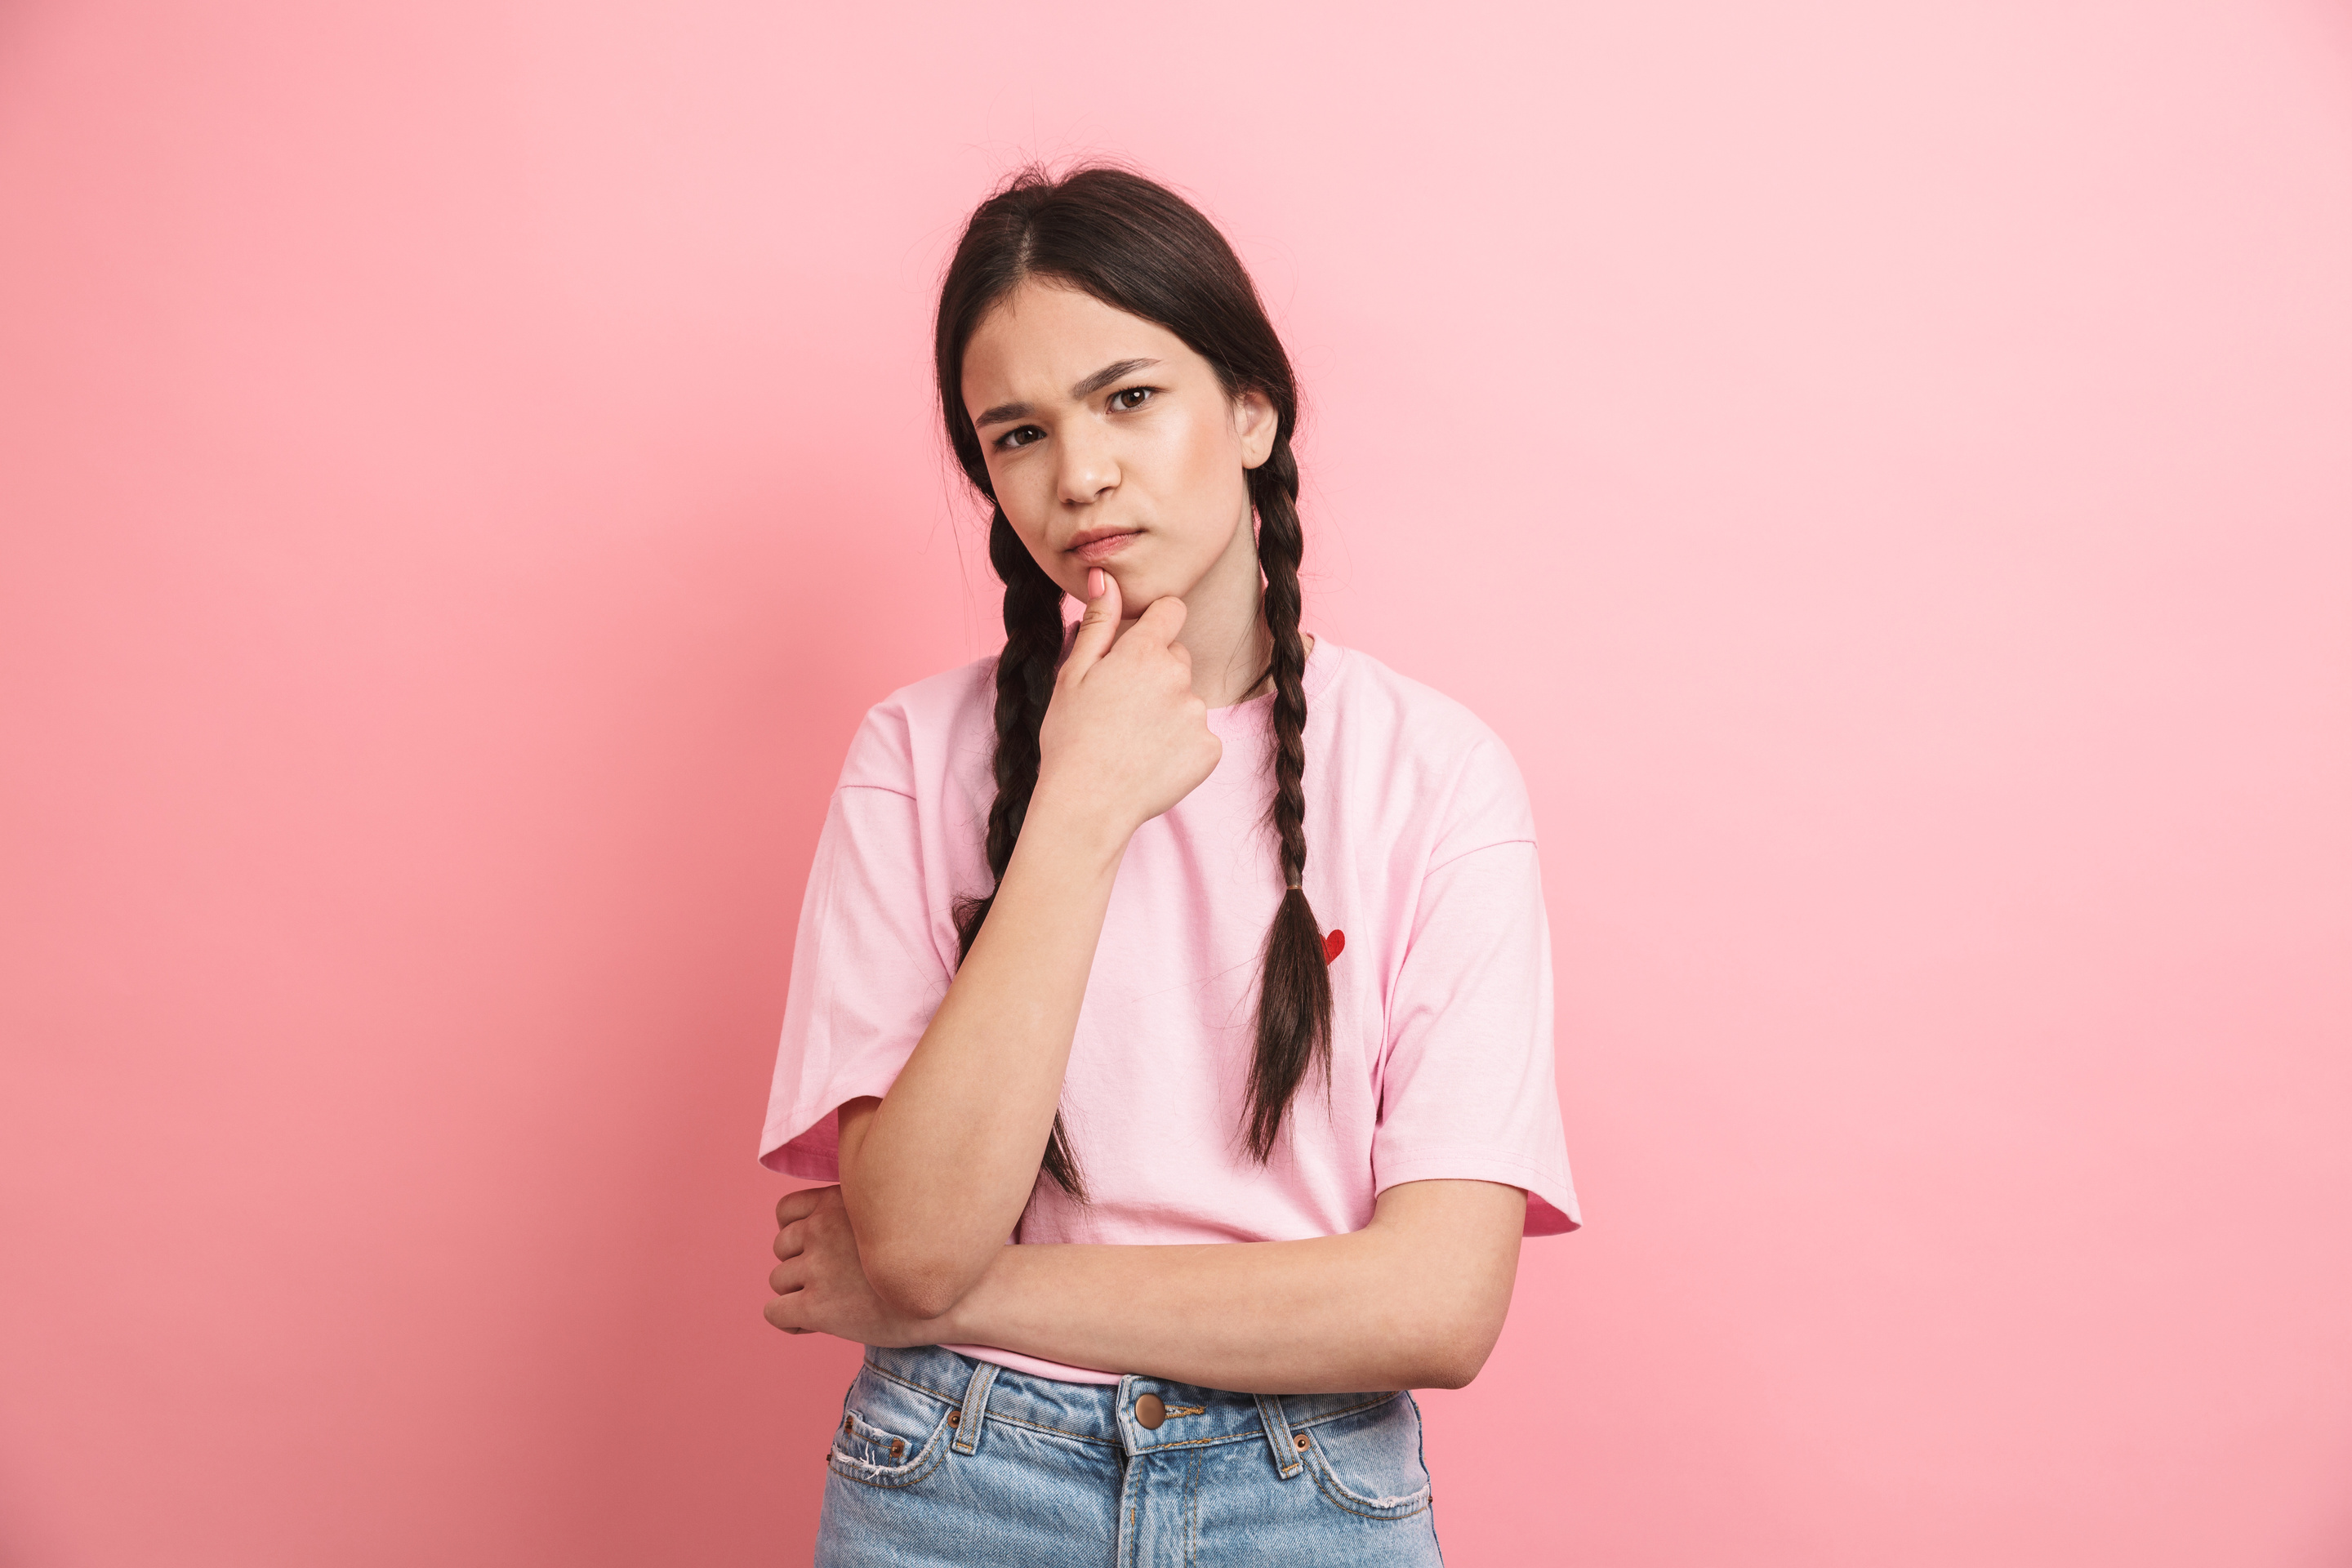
1025, 684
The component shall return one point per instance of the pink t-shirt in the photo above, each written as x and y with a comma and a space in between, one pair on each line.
1420, 847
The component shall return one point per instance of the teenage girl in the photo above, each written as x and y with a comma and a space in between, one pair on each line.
1266, 1126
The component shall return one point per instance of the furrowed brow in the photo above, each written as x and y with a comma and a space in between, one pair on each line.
1004, 412
1108, 374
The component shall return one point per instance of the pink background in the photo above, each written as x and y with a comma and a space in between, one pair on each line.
1884, 468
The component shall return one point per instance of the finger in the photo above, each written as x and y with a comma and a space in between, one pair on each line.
1161, 621
1097, 627
787, 1277
780, 1313
800, 1204
793, 1240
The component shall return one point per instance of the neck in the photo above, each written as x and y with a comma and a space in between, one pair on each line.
1225, 626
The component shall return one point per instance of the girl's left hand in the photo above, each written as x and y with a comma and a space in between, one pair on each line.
821, 1285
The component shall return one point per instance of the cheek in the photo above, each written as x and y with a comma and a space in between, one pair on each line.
1207, 466
1026, 493
1020, 495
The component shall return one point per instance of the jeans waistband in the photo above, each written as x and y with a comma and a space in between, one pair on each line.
1192, 1417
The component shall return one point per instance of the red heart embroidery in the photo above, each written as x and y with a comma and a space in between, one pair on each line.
1334, 943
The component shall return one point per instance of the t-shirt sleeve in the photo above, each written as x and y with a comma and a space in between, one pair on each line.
868, 972
1467, 1091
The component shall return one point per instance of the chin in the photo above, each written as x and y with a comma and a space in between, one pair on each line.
1141, 582
1142, 589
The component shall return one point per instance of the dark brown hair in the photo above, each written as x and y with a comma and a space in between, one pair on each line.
1139, 247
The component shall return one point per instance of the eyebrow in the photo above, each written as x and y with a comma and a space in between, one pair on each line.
1083, 390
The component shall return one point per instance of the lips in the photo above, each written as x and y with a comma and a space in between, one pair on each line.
1096, 545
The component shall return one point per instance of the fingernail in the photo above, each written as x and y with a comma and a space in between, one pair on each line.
1093, 582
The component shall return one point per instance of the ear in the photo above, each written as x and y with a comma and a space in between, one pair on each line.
1255, 424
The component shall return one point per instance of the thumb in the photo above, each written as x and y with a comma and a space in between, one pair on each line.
1096, 627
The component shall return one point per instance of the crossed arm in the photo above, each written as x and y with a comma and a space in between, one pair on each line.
1414, 1300
910, 1247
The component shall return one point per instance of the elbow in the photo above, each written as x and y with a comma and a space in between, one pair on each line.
922, 1298
1452, 1367
916, 1283
1453, 1351
912, 1271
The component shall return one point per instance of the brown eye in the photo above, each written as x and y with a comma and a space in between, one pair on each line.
1020, 437
1130, 397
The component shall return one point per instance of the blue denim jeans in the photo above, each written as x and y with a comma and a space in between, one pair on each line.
940, 1459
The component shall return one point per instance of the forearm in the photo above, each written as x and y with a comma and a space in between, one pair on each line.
1415, 1302
936, 1176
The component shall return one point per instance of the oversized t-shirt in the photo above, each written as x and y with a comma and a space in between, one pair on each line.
1421, 868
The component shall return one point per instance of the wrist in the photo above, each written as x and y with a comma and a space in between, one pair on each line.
1072, 822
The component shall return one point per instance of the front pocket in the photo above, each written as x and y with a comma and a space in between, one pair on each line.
889, 1435
1368, 1463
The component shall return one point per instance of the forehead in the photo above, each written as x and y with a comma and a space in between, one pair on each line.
1045, 338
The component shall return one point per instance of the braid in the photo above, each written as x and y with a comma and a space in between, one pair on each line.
1294, 1009
1025, 684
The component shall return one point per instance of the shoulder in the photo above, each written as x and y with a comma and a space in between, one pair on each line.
1397, 736
1362, 691
924, 726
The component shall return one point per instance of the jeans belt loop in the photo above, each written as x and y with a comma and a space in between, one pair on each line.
975, 1408
1277, 1435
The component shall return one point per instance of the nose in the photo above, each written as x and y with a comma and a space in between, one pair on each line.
1089, 470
